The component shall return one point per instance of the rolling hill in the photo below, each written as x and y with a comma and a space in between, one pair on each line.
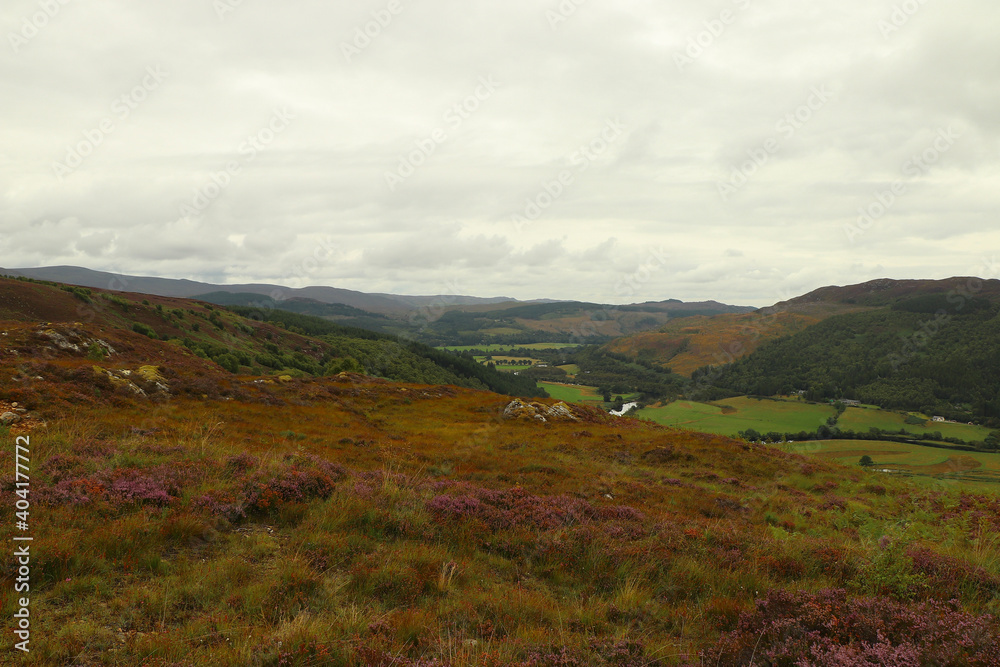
688, 343
375, 303
181, 514
263, 342
435, 320
932, 351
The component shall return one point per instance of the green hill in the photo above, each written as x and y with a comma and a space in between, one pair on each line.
937, 353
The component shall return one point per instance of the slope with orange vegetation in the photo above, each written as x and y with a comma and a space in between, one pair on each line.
688, 343
215, 519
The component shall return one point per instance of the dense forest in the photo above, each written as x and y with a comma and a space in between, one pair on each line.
936, 354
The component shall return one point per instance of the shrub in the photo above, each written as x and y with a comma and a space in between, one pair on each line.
140, 328
305, 478
828, 628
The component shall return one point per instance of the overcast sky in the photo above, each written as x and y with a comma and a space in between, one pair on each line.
610, 151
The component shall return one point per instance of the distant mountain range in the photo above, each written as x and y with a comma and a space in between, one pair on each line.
394, 313
373, 303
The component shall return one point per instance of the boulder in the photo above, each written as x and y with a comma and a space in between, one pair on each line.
9, 418
518, 409
561, 411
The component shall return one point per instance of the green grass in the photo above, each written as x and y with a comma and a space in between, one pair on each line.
571, 393
732, 415
943, 467
571, 369
861, 419
788, 416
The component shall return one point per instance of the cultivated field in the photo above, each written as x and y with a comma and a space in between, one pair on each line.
732, 415
571, 393
948, 467
862, 419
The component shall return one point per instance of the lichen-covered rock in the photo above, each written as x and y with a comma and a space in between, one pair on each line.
518, 409
561, 411
9, 418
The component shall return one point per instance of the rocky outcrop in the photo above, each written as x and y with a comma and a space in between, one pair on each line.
518, 409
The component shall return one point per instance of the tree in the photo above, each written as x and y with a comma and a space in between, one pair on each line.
866, 461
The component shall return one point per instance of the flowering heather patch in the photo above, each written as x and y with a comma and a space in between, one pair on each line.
158, 485
220, 504
241, 463
947, 576
301, 478
979, 508
508, 508
94, 449
828, 628
63, 466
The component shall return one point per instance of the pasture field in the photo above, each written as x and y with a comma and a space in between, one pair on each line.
861, 419
732, 415
571, 369
946, 467
729, 416
575, 393
571, 393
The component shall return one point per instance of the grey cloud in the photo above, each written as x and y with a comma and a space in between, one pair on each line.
324, 176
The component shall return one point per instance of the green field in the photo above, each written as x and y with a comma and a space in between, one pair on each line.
575, 393
946, 467
508, 348
862, 419
571, 393
732, 415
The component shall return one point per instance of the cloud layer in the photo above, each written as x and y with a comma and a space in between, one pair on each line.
762, 147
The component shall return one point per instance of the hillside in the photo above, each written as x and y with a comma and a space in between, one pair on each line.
886, 292
925, 353
688, 343
267, 341
184, 515
375, 303
563, 321
434, 320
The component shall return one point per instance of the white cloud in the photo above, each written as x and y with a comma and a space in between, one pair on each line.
657, 186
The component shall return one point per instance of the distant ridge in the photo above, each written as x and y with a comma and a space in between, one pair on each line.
886, 291
385, 304
396, 305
